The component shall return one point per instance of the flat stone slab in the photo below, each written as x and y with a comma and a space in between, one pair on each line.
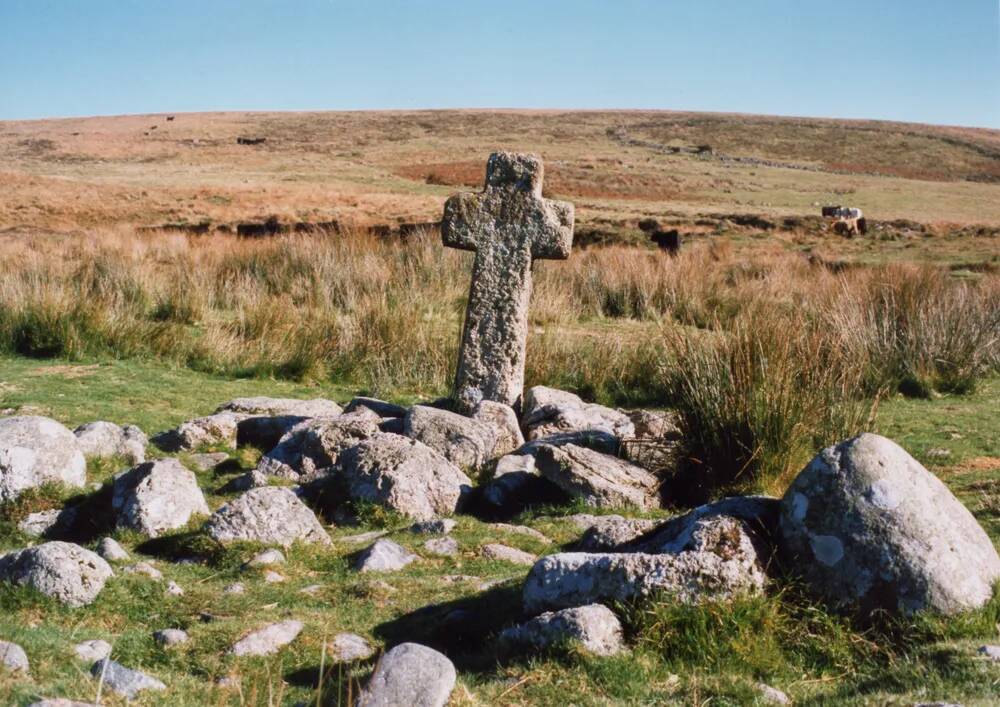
267, 640
600, 480
594, 628
124, 681
384, 556
349, 648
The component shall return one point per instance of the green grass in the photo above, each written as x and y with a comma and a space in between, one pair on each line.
712, 654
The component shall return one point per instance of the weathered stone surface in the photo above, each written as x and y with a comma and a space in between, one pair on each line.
272, 407
103, 439
268, 515
156, 497
597, 440
593, 627
49, 522
111, 550
758, 515
609, 533
267, 640
384, 555
441, 526
442, 547
719, 561
207, 461
465, 442
174, 589
92, 650
496, 551
867, 525
549, 411
990, 652
217, 429
35, 451
317, 444
67, 572
266, 558
170, 637
404, 475
508, 225
348, 648
412, 675
503, 421
514, 476
600, 480
658, 442
145, 569
772, 695
379, 407
244, 482
13, 657
124, 681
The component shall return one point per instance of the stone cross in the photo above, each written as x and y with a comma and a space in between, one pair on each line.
508, 225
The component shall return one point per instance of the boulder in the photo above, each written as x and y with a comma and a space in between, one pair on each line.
384, 556
412, 675
598, 479
102, 440
866, 525
267, 640
156, 497
270, 514
503, 420
513, 477
505, 553
92, 650
35, 451
67, 572
757, 514
548, 411
111, 550
13, 657
594, 628
442, 547
609, 533
658, 443
170, 637
124, 681
772, 695
464, 441
720, 560
276, 407
379, 407
317, 444
47, 523
404, 475
348, 648
214, 430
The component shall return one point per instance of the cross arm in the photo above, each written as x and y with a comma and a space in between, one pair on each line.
459, 224
554, 238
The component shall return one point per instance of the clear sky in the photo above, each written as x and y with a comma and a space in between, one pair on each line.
935, 61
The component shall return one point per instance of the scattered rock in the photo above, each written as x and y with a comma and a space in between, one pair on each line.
464, 441
267, 640
440, 526
719, 561
60, 702
758, 516
513, 475
157, 497
145, 569
404, 475
272, 577
64, 571
267, 515
92, 650
938, 453
773, 695
384, 556
252, 479
548, 411
174, 589
49, 522
266, 557
379, 407
991, 652
103, 440
170, 637
608, 533
206, 461
35, 451
316, 444
443, 547
495, 551
594, 627
503, 420
867, 525
348, 648
124, 681
262, 406
219, 429
412, 675
235, 588
13, 657
311, 590
520, 530
111, 550
600, 480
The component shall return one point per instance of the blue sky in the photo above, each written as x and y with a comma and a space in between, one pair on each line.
919, 60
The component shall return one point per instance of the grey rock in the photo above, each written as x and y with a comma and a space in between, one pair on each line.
92, 650
48, 522
384, 556
520, 530
608, 533
263, 406
412, 675
156, 497
379, 407
317, 444
758, 515
404, 475
597, 440
267, 515
244, 482
235, 588
170, 637
991, 652
509, 225
267, 640
598, 479
174, 589
67, 572
593, 627
441, 526
773, 695
124, 681
267, 557
272, 577
35, 451
102, 440
60, 702
867, 525
13, 657
145, 569
514, 474
466, 442
719, 562
311, 590
503, 420
206, 461
505, 553
218, 429
348, 648
549, 411
443, 547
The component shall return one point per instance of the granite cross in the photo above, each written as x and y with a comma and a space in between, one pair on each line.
509, 225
